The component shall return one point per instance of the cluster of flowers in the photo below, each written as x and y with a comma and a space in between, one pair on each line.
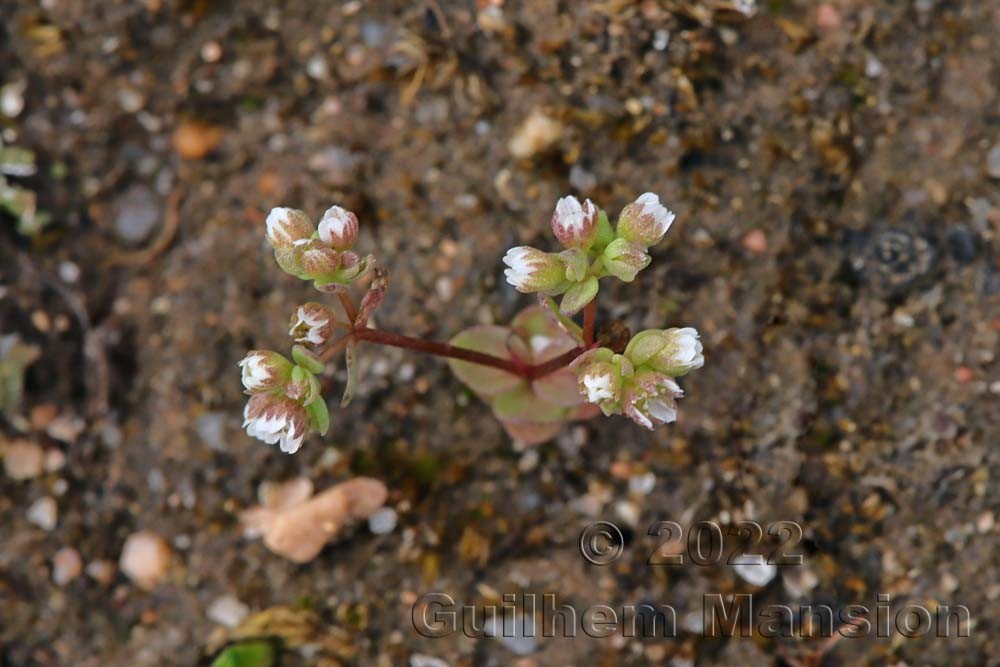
285, 400
594, 250
638, 383
538, 373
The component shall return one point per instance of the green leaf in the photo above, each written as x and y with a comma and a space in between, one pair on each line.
578, 296
489, 339
319, 415
246, 654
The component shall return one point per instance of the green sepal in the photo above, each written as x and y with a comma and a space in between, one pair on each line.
319, 416
605, 233
307, 360
578, 296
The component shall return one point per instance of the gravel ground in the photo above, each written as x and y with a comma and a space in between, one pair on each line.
833, 167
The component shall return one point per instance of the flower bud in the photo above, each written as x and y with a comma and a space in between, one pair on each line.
264, 371
312, 323
673, 352
339, 228
319, 262
287, 227
274, 418
651, 399
575, 224
645, 220
532, 270
624, 259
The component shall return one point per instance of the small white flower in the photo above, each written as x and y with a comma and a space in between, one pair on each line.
652, 399
532, 270
311, 324
338, 227
288, 227
598, 387
276, 419
645, 220
575, 224
264, 370
689, 351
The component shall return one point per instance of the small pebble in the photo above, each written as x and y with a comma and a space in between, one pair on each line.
101, 571
755, 572
138, 214
23, 460
755, 241
827, 17
383, 521
963, 375
642, 484
44, 513
536, 134
211, 52
211, 428
985, 522
66, 566
582, 179
145, 559
227, 611
519, 644
193, 140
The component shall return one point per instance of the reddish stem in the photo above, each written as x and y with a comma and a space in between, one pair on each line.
513, 366
348, 304
589, 313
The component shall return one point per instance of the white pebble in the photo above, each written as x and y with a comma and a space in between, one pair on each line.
228, 611
43, 513
383, 521
66, 566
642, 484
755, 571
421, 660
145, 559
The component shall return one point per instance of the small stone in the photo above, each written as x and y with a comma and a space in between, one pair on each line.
193, 140
44, 513
227, 611
66, 566
993, 162
949, 583
755, 571
101, 571
23, 460
211, 428
513, 638
985, 522
138, 214
383, 521
581, 179
964, 375
12, 98
536, 134
145, 559
211, 52
755, 241
69, 272
642, 484
421, 660
873, 67
827, 17
528, 460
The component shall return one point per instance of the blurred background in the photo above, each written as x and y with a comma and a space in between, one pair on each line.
834, 169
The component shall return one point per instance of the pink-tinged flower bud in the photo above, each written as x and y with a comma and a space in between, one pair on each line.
287, 227
645, 220
319, 262
673, 352
312, 323
624, 259
276, 419
339, 228
532, 270
575, 224
265, 371
651, 399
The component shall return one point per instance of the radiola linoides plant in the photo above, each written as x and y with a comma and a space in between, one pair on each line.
539, 372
